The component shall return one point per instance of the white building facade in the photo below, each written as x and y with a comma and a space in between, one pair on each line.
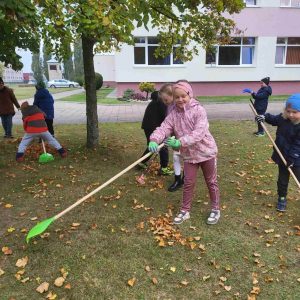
268, 46
12, 76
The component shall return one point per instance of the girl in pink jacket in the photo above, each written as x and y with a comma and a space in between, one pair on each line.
188, 121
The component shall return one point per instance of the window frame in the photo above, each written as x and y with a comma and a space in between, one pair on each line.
285, 45
289, 5
241, 45
146, 44
251, 5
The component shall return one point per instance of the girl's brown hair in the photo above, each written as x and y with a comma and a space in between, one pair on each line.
166, 88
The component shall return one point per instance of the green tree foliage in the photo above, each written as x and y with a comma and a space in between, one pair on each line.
78, 59
18, 29
46, 56
99, 81
105, 25
147, 87
1, 69
68, 66
36, 67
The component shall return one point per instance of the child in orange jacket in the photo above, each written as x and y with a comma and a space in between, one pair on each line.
35, 127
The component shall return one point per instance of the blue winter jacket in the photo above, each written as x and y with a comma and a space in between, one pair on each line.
44, 100
261, 99
287, 139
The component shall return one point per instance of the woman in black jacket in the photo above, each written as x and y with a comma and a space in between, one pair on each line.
155, 114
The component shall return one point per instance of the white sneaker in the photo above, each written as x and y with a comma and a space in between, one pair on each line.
213, 217
182, 216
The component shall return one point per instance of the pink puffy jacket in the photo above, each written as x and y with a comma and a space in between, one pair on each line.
190, 126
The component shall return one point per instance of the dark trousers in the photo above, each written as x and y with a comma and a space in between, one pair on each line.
49, 123
259, 127
7, 124
163, 153
283, 179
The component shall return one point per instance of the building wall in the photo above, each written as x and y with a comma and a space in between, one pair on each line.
105, 65
54, 74
12, 76
265, 22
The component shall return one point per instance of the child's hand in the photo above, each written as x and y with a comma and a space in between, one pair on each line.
289, 163
260, 118
247, 91
172, 142
153, 147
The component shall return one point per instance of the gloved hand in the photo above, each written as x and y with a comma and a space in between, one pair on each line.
289, 162
260, 118
153, 147
247, 91
172, 142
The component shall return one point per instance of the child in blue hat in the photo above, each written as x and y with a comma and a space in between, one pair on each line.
288, 142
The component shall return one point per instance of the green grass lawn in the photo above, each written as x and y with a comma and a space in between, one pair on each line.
228, 99
110, 239
23, 93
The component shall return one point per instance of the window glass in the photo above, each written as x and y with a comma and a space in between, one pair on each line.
139, 55
247, 55
293, 56
285, 2
295, 3
248, 41
281, 40
229, 55
176, 61
152, 40
152, 60
53, 67
279, 57
139, 40
250, 2
293, 41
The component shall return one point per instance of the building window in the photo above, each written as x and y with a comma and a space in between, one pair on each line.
239, 52
288, 51
290, 3
53, 67
144, 50
250, 2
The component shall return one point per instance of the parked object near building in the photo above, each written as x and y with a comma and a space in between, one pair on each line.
54, 69
267, 42
62, 83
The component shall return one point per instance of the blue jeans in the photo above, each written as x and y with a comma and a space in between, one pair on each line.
7, 124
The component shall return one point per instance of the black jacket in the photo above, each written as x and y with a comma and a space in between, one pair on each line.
287, 139
154, 115
261, 99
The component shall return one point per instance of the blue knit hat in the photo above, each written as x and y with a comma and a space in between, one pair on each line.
293, 102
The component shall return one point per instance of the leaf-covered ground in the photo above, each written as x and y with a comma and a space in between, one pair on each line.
120, 243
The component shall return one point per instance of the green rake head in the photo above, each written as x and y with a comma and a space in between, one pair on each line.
39, 228
45, 158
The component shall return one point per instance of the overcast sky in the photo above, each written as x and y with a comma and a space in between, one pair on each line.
26, 60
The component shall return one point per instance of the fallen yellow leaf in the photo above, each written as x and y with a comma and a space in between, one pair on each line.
42, 288
184, 282
6, 250
51, 296
131, 282
147, 268
22, 262
227, 288
205, 278
8, 205
173, 269
11, 229
59, 281
154, 280
1, 272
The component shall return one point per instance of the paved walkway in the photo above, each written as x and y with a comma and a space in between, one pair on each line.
75, 113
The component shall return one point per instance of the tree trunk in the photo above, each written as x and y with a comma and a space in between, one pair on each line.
90, 88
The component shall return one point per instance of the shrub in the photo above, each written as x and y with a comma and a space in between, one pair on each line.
147, 87
79, 79
127, 95
99, 81
139, 96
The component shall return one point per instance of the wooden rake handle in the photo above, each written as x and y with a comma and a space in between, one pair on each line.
275, 146
43, 146
104, 184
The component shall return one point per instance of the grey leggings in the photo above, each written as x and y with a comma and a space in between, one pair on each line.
46, 136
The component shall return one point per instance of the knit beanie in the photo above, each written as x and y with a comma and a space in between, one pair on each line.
40, 85
1, 80
266, 80
184, 86
293, 102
